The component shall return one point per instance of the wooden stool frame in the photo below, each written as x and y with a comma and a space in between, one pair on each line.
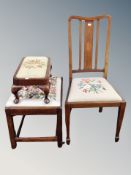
11, 112
43, 83
88, 50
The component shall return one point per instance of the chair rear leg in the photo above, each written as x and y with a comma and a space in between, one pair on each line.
67, 120
121, 111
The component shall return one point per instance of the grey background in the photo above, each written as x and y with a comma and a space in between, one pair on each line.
40, 28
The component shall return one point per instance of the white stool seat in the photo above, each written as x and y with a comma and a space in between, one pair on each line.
92, 89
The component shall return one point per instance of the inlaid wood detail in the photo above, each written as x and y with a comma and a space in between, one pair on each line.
80, 44
97, 41
88, 45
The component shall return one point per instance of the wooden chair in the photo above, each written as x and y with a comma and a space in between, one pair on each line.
90, 92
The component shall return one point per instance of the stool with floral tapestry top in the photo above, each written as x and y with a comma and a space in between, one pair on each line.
32, 71
31, 103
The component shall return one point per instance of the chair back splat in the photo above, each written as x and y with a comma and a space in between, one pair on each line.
91, 35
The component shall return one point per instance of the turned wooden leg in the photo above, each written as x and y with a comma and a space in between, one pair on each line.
11, 131
100, 109
46, 99
121, 111
15, 90
67, 120
59, 128
46, 89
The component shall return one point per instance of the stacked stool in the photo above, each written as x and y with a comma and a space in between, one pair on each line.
32, 71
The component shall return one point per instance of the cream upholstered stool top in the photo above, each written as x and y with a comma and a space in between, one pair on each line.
92, 89
31, 103
33, 67
33, 70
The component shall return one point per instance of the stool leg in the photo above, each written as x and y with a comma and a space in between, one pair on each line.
45, 89
59, 128
121, 111
56, 126
15, 92
46, 100
11, 131
67, 120
100, 109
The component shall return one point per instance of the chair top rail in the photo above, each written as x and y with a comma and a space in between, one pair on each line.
89, 18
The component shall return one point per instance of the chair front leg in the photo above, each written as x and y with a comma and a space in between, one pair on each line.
67, 120
121, 111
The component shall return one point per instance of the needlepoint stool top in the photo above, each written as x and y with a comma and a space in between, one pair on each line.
32, 70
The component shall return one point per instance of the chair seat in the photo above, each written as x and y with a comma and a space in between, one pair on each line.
32, 96
92, 89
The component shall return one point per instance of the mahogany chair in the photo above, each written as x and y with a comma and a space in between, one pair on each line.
91, 92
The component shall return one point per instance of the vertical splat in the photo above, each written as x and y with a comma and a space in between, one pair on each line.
88, 44
97, 41
80, 43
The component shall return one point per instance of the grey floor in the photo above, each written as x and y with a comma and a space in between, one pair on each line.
40, 28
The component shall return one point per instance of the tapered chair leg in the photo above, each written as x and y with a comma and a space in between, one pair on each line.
11, 131
121, 111
67, 120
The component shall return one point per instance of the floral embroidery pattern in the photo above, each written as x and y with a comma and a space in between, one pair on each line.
34, 63
88, 85
34, 92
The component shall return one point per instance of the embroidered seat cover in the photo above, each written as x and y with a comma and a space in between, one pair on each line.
32, 96
92, 89
33, 67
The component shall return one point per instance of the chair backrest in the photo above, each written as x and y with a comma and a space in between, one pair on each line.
89, 27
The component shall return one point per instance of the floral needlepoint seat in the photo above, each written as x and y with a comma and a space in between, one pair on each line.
92, 89
33, 95
33, 67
